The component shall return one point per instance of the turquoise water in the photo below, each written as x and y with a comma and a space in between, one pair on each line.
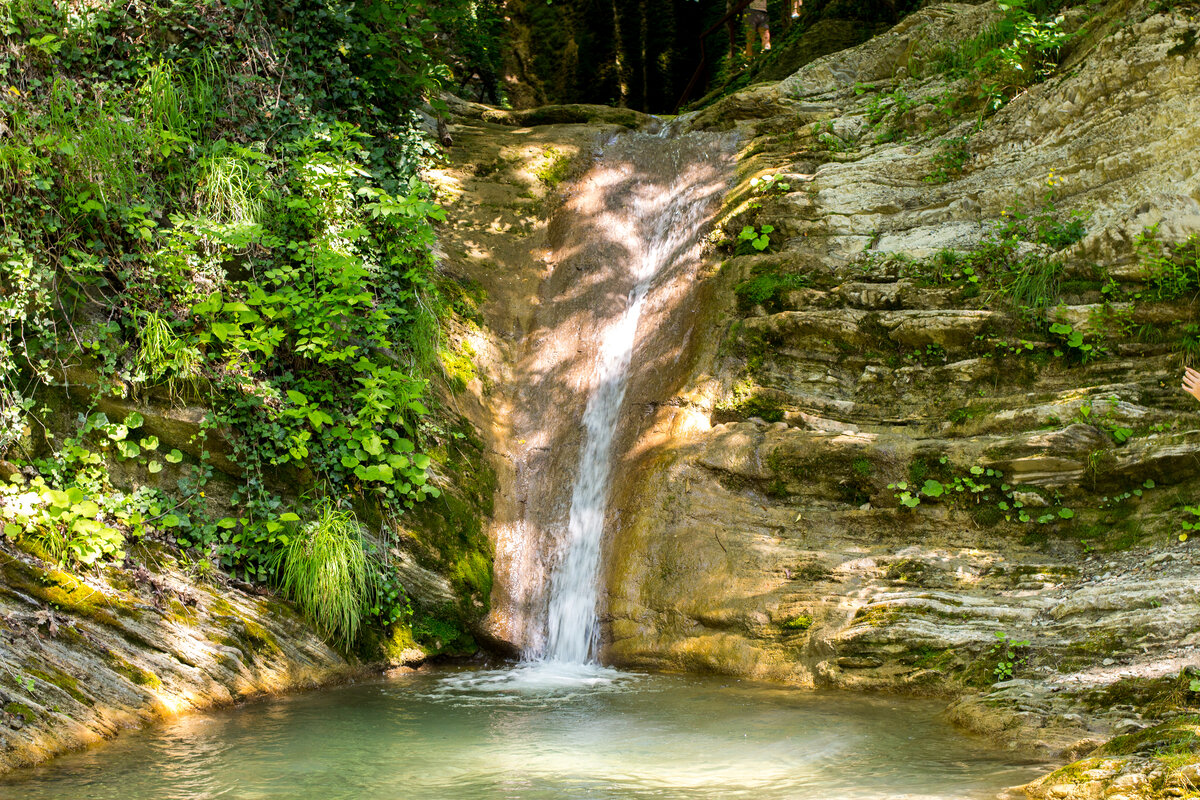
529, 733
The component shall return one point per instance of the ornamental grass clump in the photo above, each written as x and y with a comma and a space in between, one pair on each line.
326, 570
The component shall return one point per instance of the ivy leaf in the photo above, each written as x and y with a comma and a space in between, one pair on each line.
134, 420
173, 457
155, 467
223, 330
933, 488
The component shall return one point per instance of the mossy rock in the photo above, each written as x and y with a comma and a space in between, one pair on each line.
247, 636
581, 113
64, 592
20, 710
135, 674
56, 677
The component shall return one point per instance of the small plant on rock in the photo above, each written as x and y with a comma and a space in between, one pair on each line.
1010, 659
753, 239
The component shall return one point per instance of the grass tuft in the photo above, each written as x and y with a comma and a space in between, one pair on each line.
327, 571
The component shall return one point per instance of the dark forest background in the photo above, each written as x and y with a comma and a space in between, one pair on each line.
641, 54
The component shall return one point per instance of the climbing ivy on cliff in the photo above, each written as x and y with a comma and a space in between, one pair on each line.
220, 203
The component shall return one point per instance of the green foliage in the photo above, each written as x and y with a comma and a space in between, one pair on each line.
1071, 342
325, 568
1031, 283
66, 525
1191, 521
250, 225
1022, 48
1105, 421
1009, 658
826, 139
885, 112
752, 239
950, 160
1044, 224
767, 288
770, 184
980, 490
1172, 271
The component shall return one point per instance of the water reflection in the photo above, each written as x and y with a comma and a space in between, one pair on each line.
535, 732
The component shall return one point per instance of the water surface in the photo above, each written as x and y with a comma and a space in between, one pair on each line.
541, 731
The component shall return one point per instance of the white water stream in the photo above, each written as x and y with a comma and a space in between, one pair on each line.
663, 220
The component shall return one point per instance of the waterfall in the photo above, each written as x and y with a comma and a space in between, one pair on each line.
666, 197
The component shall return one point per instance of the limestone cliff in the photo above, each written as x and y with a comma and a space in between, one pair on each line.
881, 469
918, 427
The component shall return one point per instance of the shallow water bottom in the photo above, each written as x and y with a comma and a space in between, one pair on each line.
542, 731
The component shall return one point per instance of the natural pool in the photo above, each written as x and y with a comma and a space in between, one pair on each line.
541, 731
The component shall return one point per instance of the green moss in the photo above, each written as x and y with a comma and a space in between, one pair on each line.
876, 617
986, 514
250, 637
135, 674
767, 288
1072, 773
63, 591
439, 633
446, 535
800, 622
939, 660
1178, 736
219, 605
398, 645
765, 407
20, 710
458, 366
862, 467
463, 296
56, 677
554, 169
1154, 697
907, 570
178, 612
473, 573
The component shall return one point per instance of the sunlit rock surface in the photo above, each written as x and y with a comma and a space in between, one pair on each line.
85, 657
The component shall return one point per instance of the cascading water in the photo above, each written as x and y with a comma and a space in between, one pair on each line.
665, 205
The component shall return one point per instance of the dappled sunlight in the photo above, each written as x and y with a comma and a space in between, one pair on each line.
625, 250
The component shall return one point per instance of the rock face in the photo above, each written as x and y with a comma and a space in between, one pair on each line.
882, 467
86, 657
929, 438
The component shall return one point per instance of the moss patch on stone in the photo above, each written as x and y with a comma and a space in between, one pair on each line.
56, 677
247, 636
134, 673
62, 590
800, 622
446, 535
20, 710
1178, 736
